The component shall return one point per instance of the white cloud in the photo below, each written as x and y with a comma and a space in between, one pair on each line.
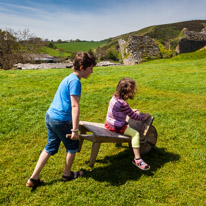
123, 18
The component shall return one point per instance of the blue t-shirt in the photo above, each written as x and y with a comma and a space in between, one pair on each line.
60, 108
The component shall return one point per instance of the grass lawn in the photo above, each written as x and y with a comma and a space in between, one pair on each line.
54, 52
173, 91
84, 46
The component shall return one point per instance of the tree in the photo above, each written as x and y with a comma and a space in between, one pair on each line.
8, 50
51, 45
112, 55
90, 52
15, 47
59, 41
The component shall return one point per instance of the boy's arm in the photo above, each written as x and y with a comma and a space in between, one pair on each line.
75, 116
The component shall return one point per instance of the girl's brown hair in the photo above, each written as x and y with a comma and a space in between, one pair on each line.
83, 59
126, 89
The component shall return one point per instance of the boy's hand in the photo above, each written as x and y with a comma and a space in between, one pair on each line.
75, 136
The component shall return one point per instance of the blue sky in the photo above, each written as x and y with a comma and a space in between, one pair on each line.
94, 19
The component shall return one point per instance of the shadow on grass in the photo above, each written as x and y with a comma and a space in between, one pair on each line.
119, 168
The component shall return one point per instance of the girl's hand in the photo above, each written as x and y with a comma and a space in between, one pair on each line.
146, 116
75, 136
136, 111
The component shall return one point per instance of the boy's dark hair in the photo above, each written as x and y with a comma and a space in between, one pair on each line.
83, 59
126, 89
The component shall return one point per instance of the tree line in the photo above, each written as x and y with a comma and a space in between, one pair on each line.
18, 47
15, 47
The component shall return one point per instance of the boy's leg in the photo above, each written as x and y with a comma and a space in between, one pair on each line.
34, 180
50, 149
72, 146
68, 163
40, 164
68, 174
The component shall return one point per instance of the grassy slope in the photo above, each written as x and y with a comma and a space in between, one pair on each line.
163, 32
169, 31
79, 46
70, 47
53, 52
173, 90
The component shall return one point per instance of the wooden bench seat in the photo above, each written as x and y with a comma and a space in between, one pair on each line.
102, 135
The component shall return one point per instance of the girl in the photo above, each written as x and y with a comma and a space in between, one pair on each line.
116, 117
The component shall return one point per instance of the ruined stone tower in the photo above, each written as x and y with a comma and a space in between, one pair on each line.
138, 49
191, 41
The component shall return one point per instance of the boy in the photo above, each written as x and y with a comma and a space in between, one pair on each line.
63, 117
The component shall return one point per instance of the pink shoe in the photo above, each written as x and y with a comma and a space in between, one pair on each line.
141, 164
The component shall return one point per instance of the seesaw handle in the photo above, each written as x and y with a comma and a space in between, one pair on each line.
80, 135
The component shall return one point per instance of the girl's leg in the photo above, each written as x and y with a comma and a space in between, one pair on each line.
135, 141
136, 148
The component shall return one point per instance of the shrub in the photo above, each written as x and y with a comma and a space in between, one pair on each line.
164, 53
112, 55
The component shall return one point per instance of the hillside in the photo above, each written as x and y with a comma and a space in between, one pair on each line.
69, 49
164, 34
79, 46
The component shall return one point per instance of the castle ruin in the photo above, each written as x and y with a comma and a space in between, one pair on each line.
142, 48
191, 41
138, 49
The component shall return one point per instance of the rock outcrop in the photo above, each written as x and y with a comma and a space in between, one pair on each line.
138, 49
191, 41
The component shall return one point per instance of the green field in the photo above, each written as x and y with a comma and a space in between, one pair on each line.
172, 90
54, 52
84, 46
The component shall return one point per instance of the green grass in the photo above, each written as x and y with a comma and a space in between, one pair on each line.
172, 90
54, 52
84, 46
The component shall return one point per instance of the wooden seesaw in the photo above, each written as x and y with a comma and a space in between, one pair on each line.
148, 136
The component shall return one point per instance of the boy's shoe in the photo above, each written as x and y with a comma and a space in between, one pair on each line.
74, 175
141, 164
34, 183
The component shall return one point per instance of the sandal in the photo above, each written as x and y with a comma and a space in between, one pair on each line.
34, 183
73, 175
141, 164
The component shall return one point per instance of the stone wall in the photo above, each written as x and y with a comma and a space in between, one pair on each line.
61, 65
138, 49
191, 41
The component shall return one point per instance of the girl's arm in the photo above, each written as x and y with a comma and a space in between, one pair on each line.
133, 115
75, 116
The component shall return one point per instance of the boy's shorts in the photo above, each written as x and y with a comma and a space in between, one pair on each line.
57, 131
